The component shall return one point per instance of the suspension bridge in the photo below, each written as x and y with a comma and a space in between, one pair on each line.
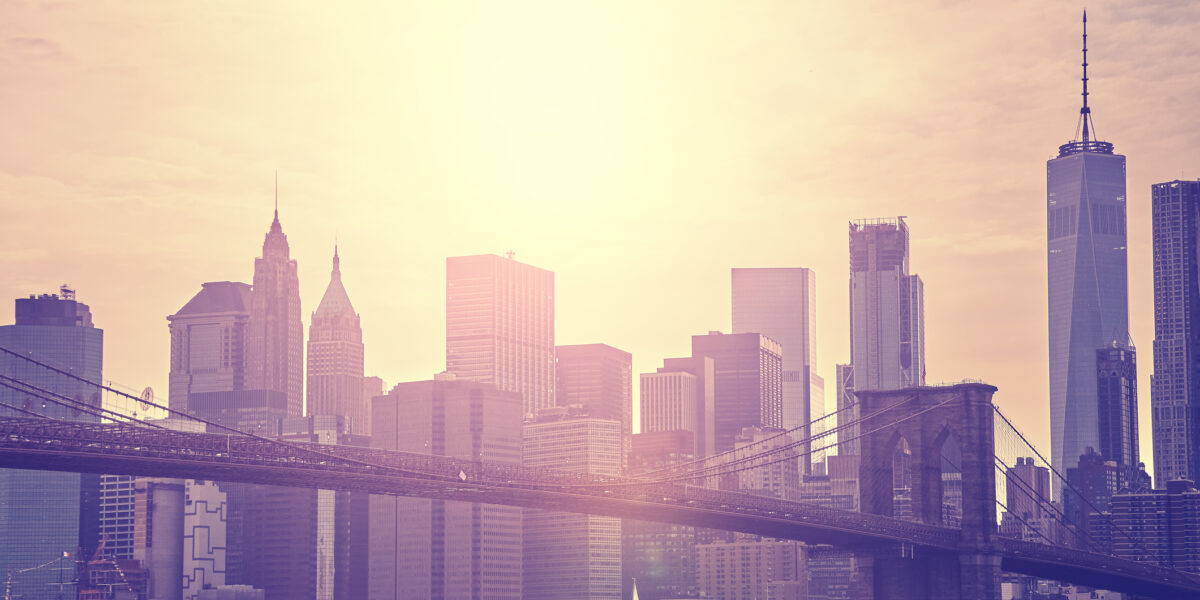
917, 533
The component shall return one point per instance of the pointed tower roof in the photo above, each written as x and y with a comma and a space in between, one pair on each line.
335, 299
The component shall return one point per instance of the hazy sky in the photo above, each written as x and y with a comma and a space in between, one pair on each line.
638, 150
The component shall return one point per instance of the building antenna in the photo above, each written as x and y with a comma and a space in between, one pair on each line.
276, 194
1085, 113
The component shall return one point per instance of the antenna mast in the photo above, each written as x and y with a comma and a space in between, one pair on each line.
1085, 113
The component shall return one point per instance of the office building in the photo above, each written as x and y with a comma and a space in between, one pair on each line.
1175, 386
116, 515
500, 326
781, 304
748, 382
275, 340
204, 541
681, 395
599, 378
752, 568
335, 358
887, 307
571, 555
661, 557
422, 548
44, 514
1087, 277
208, 342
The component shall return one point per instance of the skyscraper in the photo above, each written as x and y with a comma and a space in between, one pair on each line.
1116, 392
599, 378
435, 548
275, 350
500, 326
208, 342
335, 357
748, 382
572, 555
1088, 292
1175, 386
681, 395
782, 305
660, 556
887, 308
44, 514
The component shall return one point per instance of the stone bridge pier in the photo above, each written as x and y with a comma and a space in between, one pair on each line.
901, 470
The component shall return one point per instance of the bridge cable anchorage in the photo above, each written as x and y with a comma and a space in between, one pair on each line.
692, 475
1063, 479
776, 449
232, 430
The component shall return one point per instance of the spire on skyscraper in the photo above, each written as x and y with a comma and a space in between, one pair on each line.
1085, 113
1085, 131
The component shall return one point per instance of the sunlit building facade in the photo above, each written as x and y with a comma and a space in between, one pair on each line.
748, 382
275, 340
335, 358
500, 326
208, 342
781, 303
599, 378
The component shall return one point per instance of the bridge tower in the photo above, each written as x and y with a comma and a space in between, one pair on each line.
934, 428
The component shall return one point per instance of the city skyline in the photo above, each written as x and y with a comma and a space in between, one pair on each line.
1039, 74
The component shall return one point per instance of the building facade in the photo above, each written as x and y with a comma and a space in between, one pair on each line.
44, 514
335, 358
887, 308
599, 378
275, 341
1116, 392
752, 568
204, 542
781, 303
748, 382
500, 326
1161, 526
1175, 386
571, 555
661, 557
208, 342
427, 549
1087, 278
681, 395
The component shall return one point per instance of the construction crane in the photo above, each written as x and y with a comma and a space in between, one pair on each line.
8, 595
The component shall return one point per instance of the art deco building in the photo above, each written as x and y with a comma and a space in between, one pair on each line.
1175, 387
1087, 278
275, 342
500, 326
781, 304
335, 357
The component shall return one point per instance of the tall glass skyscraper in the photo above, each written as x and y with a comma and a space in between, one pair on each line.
44, 514
1087, 280
1175, 386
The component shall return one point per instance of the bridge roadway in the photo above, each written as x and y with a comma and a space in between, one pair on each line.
43, 444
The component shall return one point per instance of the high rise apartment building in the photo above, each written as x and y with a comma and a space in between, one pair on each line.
500, 326
887, 308
1087, 281
1175, 386
335, 358
275, 340
43, 514
599, 378
208, 342
430, 549
752, 568
1160, 526
781, 303
748, 382
572, 555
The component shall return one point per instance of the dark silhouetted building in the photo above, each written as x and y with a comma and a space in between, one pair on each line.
1161, 526
1175, 386
44, 514
1116, 391
748, 382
